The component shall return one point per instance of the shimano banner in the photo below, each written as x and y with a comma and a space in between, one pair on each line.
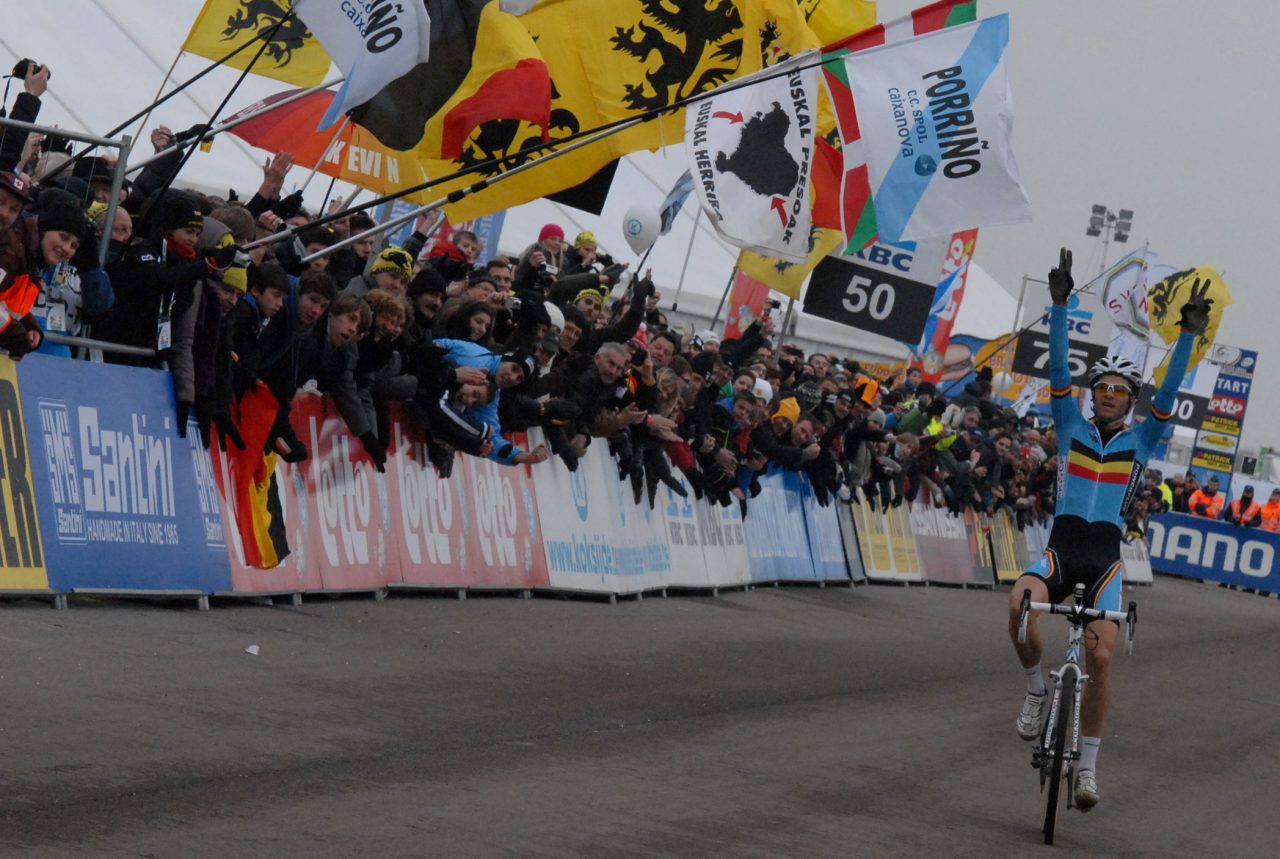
1197, 548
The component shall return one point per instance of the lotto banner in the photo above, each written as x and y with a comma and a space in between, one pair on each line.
22, 564
1218, 438
1215, 551
127, 504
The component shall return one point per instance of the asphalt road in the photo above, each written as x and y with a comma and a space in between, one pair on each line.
776, 723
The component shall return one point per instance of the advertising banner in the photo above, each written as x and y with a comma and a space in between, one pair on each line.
1089, 334
115, 487
1218, 437
943, 542
825, 545
889, 551
1214, 551
708, 542
1009, 546
984, 563
849, 536
1137, 563
22, 563
779, 547
595, 540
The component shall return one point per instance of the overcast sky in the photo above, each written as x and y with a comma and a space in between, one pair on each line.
1151, 105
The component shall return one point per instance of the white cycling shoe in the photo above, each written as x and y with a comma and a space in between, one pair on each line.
1086, 793
1031, 716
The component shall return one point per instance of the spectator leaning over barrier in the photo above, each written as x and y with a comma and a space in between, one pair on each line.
1244, 511
1207, 502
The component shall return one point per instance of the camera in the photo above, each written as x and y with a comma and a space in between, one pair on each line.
770, 306
640, 356
24, 66
511, 303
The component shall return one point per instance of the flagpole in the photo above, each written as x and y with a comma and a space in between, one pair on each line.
675, 304
146, 111
586, 136
227, 126
786, 321
155, 100
333, 141
213, 117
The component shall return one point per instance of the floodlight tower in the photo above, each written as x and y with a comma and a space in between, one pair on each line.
1106, 223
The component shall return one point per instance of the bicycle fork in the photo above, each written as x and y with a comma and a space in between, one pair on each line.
1042, 752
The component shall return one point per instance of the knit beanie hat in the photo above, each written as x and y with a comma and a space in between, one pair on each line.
586, 237
551, 230
178, 211
395, 261
59, 210
789, 409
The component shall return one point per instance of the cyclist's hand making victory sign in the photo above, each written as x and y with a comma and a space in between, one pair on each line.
1060, 282
1195, 313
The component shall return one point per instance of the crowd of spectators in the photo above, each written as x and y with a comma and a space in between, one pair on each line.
559, 337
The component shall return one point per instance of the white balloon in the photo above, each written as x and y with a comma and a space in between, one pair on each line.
1001, 383
641, 225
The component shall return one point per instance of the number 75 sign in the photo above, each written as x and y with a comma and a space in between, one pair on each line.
1031, 357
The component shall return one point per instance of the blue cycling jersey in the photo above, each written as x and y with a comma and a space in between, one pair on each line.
1097, 480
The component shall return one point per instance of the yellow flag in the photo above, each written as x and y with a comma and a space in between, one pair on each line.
644, 54
786, 277
1164, 309
833, 20
293, 55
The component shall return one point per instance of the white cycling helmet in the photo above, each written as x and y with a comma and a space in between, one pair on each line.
1117, 365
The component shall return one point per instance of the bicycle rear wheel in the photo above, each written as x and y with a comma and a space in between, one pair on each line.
1060, 729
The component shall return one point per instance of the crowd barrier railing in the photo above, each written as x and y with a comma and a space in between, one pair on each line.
101, 494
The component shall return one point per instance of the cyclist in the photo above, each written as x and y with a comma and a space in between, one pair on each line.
1100, 466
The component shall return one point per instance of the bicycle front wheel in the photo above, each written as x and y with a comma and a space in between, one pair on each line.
1060, 728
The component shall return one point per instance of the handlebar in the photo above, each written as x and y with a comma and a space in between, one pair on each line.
1078, 614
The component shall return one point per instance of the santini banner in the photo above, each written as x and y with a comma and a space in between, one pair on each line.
750, 150
936, 118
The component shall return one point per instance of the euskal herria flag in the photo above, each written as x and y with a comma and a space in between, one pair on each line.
750, 151
937, 117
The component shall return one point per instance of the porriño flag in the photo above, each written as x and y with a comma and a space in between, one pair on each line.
936, 117
373, 42
858, 218
484, 67
832, 20
788, 277
642, 56
752, 147
293, 55
1164, 308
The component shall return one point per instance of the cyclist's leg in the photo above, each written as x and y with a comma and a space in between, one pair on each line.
1100, 641
1039, 578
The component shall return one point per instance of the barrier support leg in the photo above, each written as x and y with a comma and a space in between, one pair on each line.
202, 604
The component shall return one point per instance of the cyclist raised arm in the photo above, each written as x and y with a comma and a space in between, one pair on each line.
1100, 463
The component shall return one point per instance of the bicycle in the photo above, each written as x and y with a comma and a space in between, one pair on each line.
1052, 753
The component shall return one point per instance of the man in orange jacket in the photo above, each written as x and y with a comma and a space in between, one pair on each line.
1271, 513
1207, 502
1244, 511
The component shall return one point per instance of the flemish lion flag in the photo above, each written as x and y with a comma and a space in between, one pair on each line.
832, 20
788, 277
1164, 309
857, 214
293, 56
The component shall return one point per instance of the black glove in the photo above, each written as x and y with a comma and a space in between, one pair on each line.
376, 450
1060, 282
227, 429
1195, 313
288, 207
558, 409
613, 272
198, 130
291, 449
184, 412
86, 256
221, 259
642, 289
